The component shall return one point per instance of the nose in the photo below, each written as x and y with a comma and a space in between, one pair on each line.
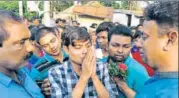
29, 46
120, 50
51, 46
99, 40
85, 50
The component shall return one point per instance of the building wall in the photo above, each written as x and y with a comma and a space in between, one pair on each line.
123, 19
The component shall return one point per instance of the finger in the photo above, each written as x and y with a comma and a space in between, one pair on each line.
116, 79
87, 57
46, 80
47, 89
46, 85
47, 93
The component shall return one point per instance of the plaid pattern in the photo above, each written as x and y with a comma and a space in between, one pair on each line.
63, 79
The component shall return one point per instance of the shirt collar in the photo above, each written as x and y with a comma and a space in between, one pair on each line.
51, 59
48, 57
4, 79
128, 61
166, 75
160, 75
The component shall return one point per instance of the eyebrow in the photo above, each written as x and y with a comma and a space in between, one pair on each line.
21, 40
48, 42
121, 44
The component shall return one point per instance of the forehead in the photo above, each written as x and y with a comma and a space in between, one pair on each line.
103, 33
150, 27
46, 38
79, 42
120, 39
17, 31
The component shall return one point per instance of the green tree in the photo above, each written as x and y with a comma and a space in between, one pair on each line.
62, 5
29, 15
10, 5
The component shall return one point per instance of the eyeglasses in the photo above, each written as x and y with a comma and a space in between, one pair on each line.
21, 44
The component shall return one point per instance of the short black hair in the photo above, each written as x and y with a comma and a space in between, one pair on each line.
165, 13
4, 16
85, 28
78, 23
63, 21
137, 27
58, 20
42, 32
133, 27
75, 33
34, 31
94, 25
34, 18
137, 34
120, 30
104, 26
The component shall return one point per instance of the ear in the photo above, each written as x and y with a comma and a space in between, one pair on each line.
172, 39
57, 34
38, 45
65, 48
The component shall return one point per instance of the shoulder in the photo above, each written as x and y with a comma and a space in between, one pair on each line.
137, 67
101, 65
59, 68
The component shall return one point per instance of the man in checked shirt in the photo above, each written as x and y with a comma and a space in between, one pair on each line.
81, 76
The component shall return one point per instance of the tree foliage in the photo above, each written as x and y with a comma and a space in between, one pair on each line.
62, 5
10, 5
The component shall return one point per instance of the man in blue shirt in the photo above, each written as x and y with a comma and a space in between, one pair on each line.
14, 52
49, 40
161, 48
120, 41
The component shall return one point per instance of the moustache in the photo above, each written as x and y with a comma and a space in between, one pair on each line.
29, 55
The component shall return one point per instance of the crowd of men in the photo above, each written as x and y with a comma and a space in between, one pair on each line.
70, 61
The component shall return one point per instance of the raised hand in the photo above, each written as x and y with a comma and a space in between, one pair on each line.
88, 64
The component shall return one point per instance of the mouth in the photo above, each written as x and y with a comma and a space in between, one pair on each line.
28, 56
55, 50
119, 56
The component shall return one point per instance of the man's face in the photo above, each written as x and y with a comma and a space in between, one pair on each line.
78, 52
50, 44
119, 48
102, 39
16, 47
153, 44
75, 24
36, 22
138, 42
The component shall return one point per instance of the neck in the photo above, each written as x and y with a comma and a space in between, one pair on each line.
76, 68
37, 52
169, 63
111, 61
9, 73
105, 52
171, 67
59, 57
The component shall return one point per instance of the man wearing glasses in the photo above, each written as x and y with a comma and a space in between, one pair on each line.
14, 51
